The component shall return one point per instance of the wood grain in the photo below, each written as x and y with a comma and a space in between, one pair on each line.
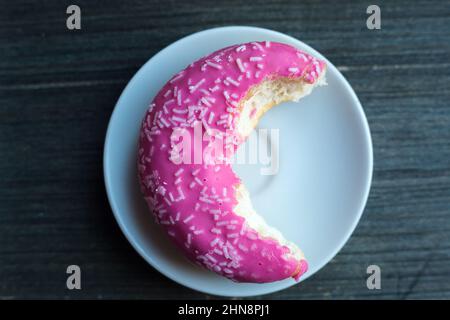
58, 89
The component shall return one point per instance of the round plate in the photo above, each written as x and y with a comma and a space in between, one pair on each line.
317, 197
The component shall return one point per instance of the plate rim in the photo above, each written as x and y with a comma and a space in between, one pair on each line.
114, 207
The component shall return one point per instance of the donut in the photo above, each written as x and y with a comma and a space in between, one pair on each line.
188, 182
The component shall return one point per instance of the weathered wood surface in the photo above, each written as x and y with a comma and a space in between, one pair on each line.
58, 89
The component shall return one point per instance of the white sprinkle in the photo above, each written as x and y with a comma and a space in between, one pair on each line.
241, 48
216, 231
317, 68
171, 220
293, 70
234, 221
226, 253
171, 233
224, 191
240, 65
177, 216
179, 97
214, 242
242, 247
179, 171
226, 270
217, 268
189, 238
210, 257
215, 88
222, 223
198, 181
232, 81
178, 181
252, 236
205, 101
195, 87
211, 99
197, 206
231, 227
243, 228
181, 193
197, 232
257, 45
164, 121
248, 74
256, 58
171, 197
302, 56
211, 117
260, 66
179, 111
232, 235
161, 190
214, 65
165, 222
169, 102
267, 44
192, 185
206, 200
173, 123
257, 74
168, 92
188, 218
178, 76
194, 173
217, 251
178, 119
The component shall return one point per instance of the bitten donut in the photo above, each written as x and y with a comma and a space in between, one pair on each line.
195, 195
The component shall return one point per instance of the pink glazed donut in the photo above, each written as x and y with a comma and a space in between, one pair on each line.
188, 181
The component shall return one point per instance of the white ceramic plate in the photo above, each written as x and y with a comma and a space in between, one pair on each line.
317, 197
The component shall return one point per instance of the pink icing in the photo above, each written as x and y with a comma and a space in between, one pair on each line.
195, 202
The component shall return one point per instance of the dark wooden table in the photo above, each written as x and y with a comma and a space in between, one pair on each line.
58, 89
